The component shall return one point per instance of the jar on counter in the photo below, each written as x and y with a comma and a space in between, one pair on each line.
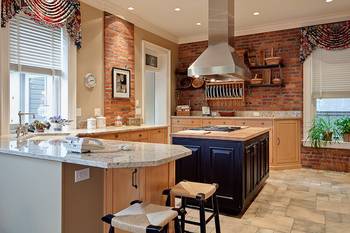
101, 122
91, 123
119, 121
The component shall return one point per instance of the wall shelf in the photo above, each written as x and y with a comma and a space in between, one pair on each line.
265, 85
266, 67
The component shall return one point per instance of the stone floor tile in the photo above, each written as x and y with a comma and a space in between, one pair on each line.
307, 214
332, 227
309, 227
334, 206
273, 222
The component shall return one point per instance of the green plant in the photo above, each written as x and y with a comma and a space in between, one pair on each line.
321, 132
343, 125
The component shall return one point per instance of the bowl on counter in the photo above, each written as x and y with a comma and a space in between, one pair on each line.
227, 113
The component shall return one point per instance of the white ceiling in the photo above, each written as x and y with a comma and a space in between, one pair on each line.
158, 16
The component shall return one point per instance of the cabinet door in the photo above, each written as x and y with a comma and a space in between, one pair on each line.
156, 180
188, 168
158, 136
286, 142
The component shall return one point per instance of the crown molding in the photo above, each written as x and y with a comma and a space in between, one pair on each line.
287, 24
113, 8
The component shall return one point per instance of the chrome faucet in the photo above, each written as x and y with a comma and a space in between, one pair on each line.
21, 129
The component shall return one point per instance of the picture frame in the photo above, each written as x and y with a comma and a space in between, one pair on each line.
120, 83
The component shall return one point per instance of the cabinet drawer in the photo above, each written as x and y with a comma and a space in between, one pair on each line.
187, 122
260, 123
175, 129
137, 136
112, 136
210, 122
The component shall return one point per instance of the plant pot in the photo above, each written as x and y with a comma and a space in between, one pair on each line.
346, 137
328, 136
40, 130
56, 126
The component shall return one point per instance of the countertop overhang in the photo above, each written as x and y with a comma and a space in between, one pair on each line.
244, 134
141, 155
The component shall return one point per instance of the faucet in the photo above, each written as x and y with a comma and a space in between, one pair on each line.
21, 129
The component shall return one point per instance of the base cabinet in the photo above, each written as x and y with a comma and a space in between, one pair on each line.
240, 168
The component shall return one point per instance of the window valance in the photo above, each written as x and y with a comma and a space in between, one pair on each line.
54, 13
333, 36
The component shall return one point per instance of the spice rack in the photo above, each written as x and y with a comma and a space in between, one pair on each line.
228, 90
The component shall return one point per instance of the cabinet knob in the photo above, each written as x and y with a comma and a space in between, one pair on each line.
243, 123
140, 135
262, 123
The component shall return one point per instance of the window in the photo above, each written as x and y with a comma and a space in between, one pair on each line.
36, 69
326, 85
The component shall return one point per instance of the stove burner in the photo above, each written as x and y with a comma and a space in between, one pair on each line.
218, 128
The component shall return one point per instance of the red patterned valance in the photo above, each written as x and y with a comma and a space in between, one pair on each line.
327, 36
55, 13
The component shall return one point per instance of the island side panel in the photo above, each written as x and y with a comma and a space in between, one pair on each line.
30, 191
82, 201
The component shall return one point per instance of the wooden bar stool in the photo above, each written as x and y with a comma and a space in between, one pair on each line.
143, 218
199, 193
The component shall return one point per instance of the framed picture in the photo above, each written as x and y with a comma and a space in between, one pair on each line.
152, 61
120, 83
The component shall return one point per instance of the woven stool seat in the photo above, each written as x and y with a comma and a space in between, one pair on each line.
193, 190
139, 217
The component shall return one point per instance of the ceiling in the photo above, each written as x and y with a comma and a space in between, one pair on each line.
158, 16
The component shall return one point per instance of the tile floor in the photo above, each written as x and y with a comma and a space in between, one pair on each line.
294, 201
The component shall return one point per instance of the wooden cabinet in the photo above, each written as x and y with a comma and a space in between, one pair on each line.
148, 135
284, 144
240, 168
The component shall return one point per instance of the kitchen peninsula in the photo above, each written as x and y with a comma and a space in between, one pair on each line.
70, 192
236, 158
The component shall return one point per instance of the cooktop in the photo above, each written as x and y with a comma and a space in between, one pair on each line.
218, 128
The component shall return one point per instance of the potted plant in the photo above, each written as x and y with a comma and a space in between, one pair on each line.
321, 132
39, 126
344, 128
58, 122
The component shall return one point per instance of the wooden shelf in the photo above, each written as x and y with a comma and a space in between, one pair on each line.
265, 67
228, 98
265, 85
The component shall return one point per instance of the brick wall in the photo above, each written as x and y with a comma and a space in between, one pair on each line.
326, 159
118, 52
288, 98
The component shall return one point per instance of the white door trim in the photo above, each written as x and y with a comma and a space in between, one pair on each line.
161, 50
4, 81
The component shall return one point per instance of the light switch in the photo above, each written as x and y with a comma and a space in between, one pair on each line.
82, 175
78, 112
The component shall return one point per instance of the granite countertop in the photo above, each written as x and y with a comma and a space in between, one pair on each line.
244, 134
52, 147
240, 117
114, 129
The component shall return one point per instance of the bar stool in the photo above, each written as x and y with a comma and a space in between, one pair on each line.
144, 218
199, 193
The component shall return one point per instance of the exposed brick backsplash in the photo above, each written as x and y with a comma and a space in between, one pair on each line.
288, 98
118, 52
326, 159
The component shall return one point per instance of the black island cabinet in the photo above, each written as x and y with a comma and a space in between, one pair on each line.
239, 167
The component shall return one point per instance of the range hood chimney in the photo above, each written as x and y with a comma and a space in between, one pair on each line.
220, 59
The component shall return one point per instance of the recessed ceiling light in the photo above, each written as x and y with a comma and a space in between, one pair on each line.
256, 13
329, 1
131, 8
177, 9
198, 24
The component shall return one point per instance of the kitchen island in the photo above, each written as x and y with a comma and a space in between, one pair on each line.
45, 188
236, 158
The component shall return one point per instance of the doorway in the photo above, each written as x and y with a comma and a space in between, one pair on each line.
156, 75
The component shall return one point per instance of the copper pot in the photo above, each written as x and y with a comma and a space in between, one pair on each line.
346, 137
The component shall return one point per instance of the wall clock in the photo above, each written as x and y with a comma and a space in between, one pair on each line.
90, 80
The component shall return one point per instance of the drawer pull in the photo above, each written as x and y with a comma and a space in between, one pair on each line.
133, 177
278, 141
262, 123
140, 135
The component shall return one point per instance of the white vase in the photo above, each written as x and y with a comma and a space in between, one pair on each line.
56, 127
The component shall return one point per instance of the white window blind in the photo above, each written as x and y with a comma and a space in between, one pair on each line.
35, 48
330, 73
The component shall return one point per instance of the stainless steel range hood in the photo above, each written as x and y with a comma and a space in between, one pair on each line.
220, 59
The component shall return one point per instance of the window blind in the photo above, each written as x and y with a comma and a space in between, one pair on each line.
34, 47
330, 73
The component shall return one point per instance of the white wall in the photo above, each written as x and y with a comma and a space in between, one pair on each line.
30, 195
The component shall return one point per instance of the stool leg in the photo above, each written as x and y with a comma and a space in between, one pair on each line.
216, 211
177, 226
202, 216
183, 213
111, 229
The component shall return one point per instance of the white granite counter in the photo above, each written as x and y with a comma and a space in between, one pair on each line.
52, 147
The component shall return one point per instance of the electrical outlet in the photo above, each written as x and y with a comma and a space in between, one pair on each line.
82, 175
78, 112
97, 112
